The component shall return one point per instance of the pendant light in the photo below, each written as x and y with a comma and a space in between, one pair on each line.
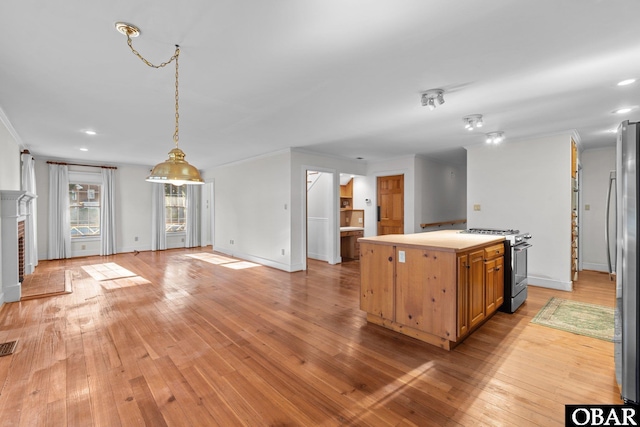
175, 170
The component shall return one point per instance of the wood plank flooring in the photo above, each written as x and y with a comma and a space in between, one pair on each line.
191, 343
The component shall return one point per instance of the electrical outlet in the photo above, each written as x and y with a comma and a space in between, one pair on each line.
283, 252
360, 220
587, 207
84, 247
231, 241
135, 238
401, 256
182, 240
476, 207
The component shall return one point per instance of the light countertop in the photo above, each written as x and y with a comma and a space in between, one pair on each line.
447, 240
351, 228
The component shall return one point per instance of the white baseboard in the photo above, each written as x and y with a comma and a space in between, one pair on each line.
595, 267
289, 268
551, 284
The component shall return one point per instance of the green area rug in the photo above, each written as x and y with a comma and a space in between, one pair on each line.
580, 318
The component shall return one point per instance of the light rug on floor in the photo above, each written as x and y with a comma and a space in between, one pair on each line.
580, 318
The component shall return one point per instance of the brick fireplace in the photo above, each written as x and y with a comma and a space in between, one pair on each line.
14, 223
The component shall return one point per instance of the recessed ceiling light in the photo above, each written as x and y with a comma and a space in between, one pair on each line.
84, 149
626, 82
622, 110
90, 132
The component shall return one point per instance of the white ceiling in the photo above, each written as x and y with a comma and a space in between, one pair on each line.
341, 77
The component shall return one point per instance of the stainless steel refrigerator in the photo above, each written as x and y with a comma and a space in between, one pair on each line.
627, 305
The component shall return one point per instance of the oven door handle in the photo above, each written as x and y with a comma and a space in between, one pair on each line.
522, 247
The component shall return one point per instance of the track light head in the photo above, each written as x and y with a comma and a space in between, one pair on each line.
495, 137
472, 121
429, 98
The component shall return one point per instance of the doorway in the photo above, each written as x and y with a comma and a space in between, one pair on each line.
390, 191
321, 213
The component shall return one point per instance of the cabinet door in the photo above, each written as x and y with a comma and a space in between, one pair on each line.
499, 282
490, 286
376, 280
463, 295
476, 288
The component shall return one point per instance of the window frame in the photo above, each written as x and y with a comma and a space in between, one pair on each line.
90, 178
183, 231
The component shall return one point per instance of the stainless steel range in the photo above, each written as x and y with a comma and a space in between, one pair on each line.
515, 262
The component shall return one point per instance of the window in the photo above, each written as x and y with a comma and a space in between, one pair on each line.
175, 205
84, 209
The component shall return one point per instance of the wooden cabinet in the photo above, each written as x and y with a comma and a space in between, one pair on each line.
494, 278
349, 245
437, 296
476, 288
346, 195
471, 290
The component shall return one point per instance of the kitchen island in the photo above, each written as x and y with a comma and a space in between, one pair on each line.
437, 286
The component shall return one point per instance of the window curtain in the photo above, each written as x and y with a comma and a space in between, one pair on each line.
31, 240
59, 245
194, 197
107, 213
158, 236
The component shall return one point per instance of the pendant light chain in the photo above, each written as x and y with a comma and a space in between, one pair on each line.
175, 170
176, 136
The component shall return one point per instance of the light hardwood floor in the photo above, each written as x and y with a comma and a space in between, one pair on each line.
190, 343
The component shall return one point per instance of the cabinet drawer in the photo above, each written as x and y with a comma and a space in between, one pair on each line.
357, 233
494, 251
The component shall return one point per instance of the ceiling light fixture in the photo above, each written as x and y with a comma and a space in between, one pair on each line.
622, 110
175, 170
495, 137
473, 121
90, 132
430, 97
626, 82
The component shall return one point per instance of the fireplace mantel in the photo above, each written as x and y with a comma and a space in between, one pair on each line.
14, 207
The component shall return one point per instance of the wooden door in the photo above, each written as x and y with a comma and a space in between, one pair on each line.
390, 205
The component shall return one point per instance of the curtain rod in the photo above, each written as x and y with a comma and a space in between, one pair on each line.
79, 164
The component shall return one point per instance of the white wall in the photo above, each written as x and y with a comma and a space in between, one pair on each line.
596, 164
441, 192
252, 209
9, 161
133, 210
527, 185
10, 173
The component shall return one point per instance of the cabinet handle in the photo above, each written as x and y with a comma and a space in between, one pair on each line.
390, 259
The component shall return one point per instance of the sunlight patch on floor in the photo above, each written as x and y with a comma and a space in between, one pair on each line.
240, 265
124, 282
107, 271
211, 258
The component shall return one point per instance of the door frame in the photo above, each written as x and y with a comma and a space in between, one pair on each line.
404, 186
334, 220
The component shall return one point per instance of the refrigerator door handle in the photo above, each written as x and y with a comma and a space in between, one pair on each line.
612, 179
